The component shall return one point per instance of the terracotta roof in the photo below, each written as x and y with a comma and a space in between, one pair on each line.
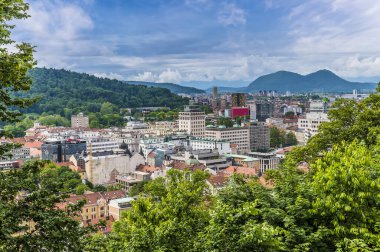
19, 140
92, 198
64, 163
94, 222
183, 166
36, 144
113, 194
240, 170
147, 168
219, 179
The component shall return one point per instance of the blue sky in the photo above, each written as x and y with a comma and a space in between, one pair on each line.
205, 42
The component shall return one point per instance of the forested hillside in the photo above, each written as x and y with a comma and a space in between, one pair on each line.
175, 88
66, 92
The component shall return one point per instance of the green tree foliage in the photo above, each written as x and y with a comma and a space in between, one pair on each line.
225, 121
168, 221
237, 220
14, 66
206, 108
64, 177
162, 115
347, 187
276, 137
279, 138
30, 220
349, 120
17, 129
290, 139
66, 93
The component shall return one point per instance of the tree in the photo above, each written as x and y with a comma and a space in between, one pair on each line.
14, 66
225, 121
290, 139
276, 137
347, 188
289, 114
169, 222
30, 219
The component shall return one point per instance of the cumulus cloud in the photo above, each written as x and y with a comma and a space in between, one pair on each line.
340, 26
110, 75
231, 14
56, 28
169, 75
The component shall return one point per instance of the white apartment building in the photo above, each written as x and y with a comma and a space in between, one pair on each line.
222, 146
193, 121
80, 121
236, 135
311, 123
102, 145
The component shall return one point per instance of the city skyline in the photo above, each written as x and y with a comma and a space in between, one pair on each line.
203, 41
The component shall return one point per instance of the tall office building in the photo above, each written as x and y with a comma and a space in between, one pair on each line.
238, 100
80, 121
61, 151
192, 120
264, 110
215, 92
259, 136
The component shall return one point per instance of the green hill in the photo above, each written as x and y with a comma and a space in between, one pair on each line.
174, 88
63, 90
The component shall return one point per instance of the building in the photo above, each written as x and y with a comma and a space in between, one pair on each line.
207, 158
128, 180
311, 123
263, 110
259, 136
117, 206
239, 111
16, 154
96, 206
245, 161
61, 151
215, 92
222, 146
319, 106
102, 170
102, 145
80, 121
192, 121
238, 100
267, 161
235, 135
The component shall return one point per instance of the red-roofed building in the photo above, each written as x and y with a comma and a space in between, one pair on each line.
96, 204
245, 171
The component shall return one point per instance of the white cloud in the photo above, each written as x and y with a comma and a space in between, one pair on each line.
171, 76
340, 26
231, 14
109, 75
56, 28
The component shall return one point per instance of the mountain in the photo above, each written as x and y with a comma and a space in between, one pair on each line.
63, 90
320, 81
174, 88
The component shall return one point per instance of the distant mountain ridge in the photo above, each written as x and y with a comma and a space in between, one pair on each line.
320, 81
174, 88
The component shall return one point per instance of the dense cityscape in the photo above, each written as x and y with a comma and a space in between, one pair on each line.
92, 163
